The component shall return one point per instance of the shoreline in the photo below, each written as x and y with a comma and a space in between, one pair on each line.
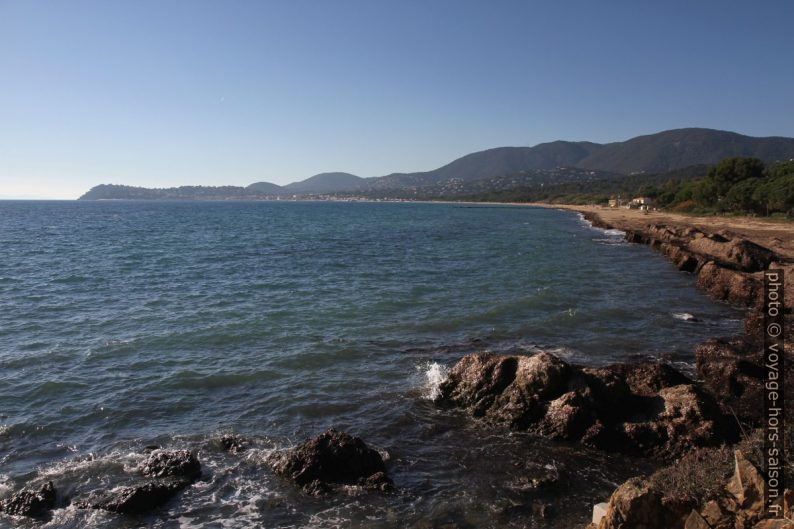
727, 255
712, 414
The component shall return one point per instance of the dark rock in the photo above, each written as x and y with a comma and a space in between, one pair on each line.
733, 369
171, 463
233, 443
648, 378
330, 458
378, 481
136, 499
31, 503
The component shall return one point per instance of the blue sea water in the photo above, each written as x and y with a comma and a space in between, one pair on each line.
126, 324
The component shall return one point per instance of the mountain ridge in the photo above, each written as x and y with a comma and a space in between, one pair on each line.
654, 153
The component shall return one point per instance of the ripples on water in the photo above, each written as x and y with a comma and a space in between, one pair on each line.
132, 323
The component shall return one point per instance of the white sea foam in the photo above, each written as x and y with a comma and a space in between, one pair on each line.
435, 374
612, 232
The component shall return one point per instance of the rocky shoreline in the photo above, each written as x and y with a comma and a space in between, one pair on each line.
650, 409
662, 413
729, 268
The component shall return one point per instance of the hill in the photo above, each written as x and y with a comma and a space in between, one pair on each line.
679, 148
494, 170
327, 183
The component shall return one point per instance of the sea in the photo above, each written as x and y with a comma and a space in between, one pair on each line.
126, 324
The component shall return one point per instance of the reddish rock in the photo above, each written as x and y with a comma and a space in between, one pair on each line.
641, 409
635, 505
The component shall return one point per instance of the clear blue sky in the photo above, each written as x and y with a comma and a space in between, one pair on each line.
166, 93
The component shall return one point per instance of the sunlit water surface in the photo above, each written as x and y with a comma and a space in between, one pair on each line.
126, 324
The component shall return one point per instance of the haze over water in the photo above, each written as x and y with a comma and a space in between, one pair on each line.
125, 324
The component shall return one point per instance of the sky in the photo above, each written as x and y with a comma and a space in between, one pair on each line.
166, 93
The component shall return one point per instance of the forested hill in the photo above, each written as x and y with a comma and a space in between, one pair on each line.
554, 163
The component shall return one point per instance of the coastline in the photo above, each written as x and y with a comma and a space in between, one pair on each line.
704, 419
727, 255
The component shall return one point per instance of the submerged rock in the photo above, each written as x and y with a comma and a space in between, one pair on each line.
332, 458
233, 443
172, 470
181, 464
31, 503
647, 408
136, 499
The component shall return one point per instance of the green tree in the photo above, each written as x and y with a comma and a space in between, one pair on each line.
732, 170
777, 194
740, 197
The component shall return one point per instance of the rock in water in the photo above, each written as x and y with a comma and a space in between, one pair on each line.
136, 499
32, 503
332, 458
181, 464
233, 443
647, 408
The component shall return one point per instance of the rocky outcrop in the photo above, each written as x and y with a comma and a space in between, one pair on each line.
637, 505
181, 464
171, 471
135, 499
727, 266
330, 459
233, 443
30, 502
733, 368
647, 409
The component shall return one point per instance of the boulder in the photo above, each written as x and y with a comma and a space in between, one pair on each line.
332, 458
476, 380
567, 417
729, 285
181, 464
537, 380
746, 485
635, 505
732, 250
135, 499
233, 443
30, 502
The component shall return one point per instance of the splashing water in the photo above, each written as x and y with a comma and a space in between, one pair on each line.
435, 374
